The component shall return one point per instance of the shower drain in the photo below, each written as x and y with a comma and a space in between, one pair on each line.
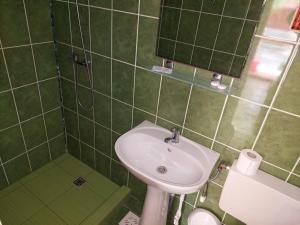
130, 219
162, 169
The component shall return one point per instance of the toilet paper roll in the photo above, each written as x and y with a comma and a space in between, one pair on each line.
248, 162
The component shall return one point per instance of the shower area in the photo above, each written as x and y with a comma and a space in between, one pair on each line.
57, 164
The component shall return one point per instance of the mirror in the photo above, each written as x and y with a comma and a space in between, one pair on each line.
210, 34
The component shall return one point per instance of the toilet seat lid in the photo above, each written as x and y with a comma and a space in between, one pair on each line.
202, 217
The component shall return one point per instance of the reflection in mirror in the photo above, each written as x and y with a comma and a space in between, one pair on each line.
211, 34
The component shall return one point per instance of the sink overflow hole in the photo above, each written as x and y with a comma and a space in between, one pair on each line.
162, 169
79, 181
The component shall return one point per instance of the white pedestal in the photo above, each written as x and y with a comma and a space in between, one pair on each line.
155, 208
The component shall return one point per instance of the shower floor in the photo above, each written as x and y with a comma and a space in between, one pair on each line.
48, 196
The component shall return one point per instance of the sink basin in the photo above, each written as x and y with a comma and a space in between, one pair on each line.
177, 168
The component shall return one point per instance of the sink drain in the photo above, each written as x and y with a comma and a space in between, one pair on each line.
162, 169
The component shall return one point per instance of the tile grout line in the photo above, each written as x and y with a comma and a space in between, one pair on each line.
16, 107
178, 26
158, 97
4, 172
221, 115
36, 76
293, 169
27, 45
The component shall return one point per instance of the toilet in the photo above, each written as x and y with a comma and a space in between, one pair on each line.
202, 217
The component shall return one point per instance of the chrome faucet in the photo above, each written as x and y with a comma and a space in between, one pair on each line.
175, 136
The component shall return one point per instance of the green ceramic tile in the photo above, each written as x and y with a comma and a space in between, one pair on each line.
240, 123
114, 139
4, 82
246, 37
197, 138
57, 146
167, 125
192, 4
274, 171
50, 94
122, 81
118, 173
138, 187
203, 116
215, 7
208, 23
3, 182
169, 23
69, 95
71, 122
40, 29
45, 216
101, 185
150, 8
102, 109
237, 66
74, 167
103, 164
236, 8
86, 99
230, 220
64, 55
8, 114
140, 116
17, 168
121, 117
18, 206
221, 62
11, 188
188, 25
146, 54
103, 139
34, 132
294, 180
87, 155
146, 90
75, 205
11, 143
104, 3
125, 5
101, 31
212, 201
49, 185
173, 100
124, 26
280, 147
183, 53
73, 146
201, 57
134, 205
86, 129
226, 154
165, 48
62, 26
17, 58
254, 79
102, 74
229, 33
287, 97
45, 60
255, 9
84, 23
39, 156
9, 27
54, 123
172, 3
28, 101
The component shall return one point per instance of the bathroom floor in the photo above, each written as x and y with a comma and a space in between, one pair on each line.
48, 196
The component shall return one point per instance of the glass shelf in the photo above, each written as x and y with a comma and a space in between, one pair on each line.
197, 81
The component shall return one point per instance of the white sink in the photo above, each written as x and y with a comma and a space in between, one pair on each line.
178, 168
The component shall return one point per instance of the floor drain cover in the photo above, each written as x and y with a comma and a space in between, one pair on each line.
130, 219
79, 181
162, 169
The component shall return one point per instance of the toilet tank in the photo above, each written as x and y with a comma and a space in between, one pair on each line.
260, 199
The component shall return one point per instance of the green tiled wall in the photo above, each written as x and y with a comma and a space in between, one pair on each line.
31, 132
263, 113
213, 35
